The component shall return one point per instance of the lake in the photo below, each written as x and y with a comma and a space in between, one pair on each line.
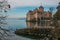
16, 24
20, 24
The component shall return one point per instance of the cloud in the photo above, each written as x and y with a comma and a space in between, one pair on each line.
18, 12
15, 3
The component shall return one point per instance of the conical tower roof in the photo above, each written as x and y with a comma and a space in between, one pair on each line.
41, 7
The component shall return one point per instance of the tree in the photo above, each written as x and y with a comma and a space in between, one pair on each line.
4, 6
51, 9
57, 14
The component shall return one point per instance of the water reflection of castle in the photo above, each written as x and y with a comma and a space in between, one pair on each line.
42, 24
54, 30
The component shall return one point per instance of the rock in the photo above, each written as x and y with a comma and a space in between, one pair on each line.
9, 35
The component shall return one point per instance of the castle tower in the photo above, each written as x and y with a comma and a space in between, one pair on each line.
29, 15
41, 9
36, 13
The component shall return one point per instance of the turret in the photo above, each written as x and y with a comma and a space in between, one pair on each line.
41, 9
35, 10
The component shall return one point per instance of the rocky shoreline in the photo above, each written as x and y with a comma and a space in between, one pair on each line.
9, 35
35, 33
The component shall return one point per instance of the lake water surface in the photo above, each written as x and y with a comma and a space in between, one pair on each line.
20, 24
16, 24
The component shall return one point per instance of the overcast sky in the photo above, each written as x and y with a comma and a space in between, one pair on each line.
18, 6
15, 3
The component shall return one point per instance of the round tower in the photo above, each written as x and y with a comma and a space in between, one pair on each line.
41, 9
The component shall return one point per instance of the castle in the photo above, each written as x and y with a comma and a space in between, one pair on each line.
38, 14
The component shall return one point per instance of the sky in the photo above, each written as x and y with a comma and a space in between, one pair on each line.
19, 8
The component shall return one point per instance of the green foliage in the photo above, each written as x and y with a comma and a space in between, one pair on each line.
57, 14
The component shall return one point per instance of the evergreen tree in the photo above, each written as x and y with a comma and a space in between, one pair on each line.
57, 15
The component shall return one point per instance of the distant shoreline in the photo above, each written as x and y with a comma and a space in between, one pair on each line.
17, 18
